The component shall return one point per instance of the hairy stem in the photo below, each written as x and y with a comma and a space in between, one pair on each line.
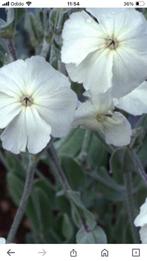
45, 48
4, 162
138, 166
59, 173
56, 167
85, 146
24, 199
12, 49
130, 204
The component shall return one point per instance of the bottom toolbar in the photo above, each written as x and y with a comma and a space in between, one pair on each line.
75, 252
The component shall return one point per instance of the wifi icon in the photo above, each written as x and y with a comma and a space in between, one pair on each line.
28, 3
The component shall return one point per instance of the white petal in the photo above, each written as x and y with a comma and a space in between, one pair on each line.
117, 130
37, 68
38, 131
43, 79
143, 234
50, 89
98, 12
2, 240
6, 100
103, 102
141, 219
12, 78
122, 23
85, 116
58, 110
132, 25
129, 69
81, 36
9, 109
85, 109
14, 137
135, 102
95, 71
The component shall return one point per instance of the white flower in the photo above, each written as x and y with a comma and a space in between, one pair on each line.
97, 113
2, 240
35, 102
106, 50
106, 11
141, 221
135, 102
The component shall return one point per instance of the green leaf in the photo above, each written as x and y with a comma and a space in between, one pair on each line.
33, 25
76, 216
39, 208
97, 154
74, 196
121, 162
71, 145
19, 14
67, 227
40, 213
107, 185
73, 171
86, 215
15, 185
96, 236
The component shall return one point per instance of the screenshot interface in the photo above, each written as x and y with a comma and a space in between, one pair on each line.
73, 130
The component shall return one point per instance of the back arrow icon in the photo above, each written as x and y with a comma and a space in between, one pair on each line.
9, 252
43, 252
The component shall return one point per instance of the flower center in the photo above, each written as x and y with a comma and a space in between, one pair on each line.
112, 44
26, 101
102, 117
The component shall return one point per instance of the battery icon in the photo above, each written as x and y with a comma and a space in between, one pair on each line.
140, 3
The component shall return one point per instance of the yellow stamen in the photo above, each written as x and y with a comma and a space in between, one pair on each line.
26, 101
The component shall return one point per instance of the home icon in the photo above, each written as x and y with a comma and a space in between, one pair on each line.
104, 253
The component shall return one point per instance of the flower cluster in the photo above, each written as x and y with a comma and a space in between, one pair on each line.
107, 53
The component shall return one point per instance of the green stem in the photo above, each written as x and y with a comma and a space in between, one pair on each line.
4, 162
130, 204
12, 50
138, 166
59, 173
85, 146
24, 199
56, 167
45, 48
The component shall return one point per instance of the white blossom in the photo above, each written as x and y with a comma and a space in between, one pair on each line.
35, 102
141, 221
106, 11
97, 113
135, 102
2, 240
106, 50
